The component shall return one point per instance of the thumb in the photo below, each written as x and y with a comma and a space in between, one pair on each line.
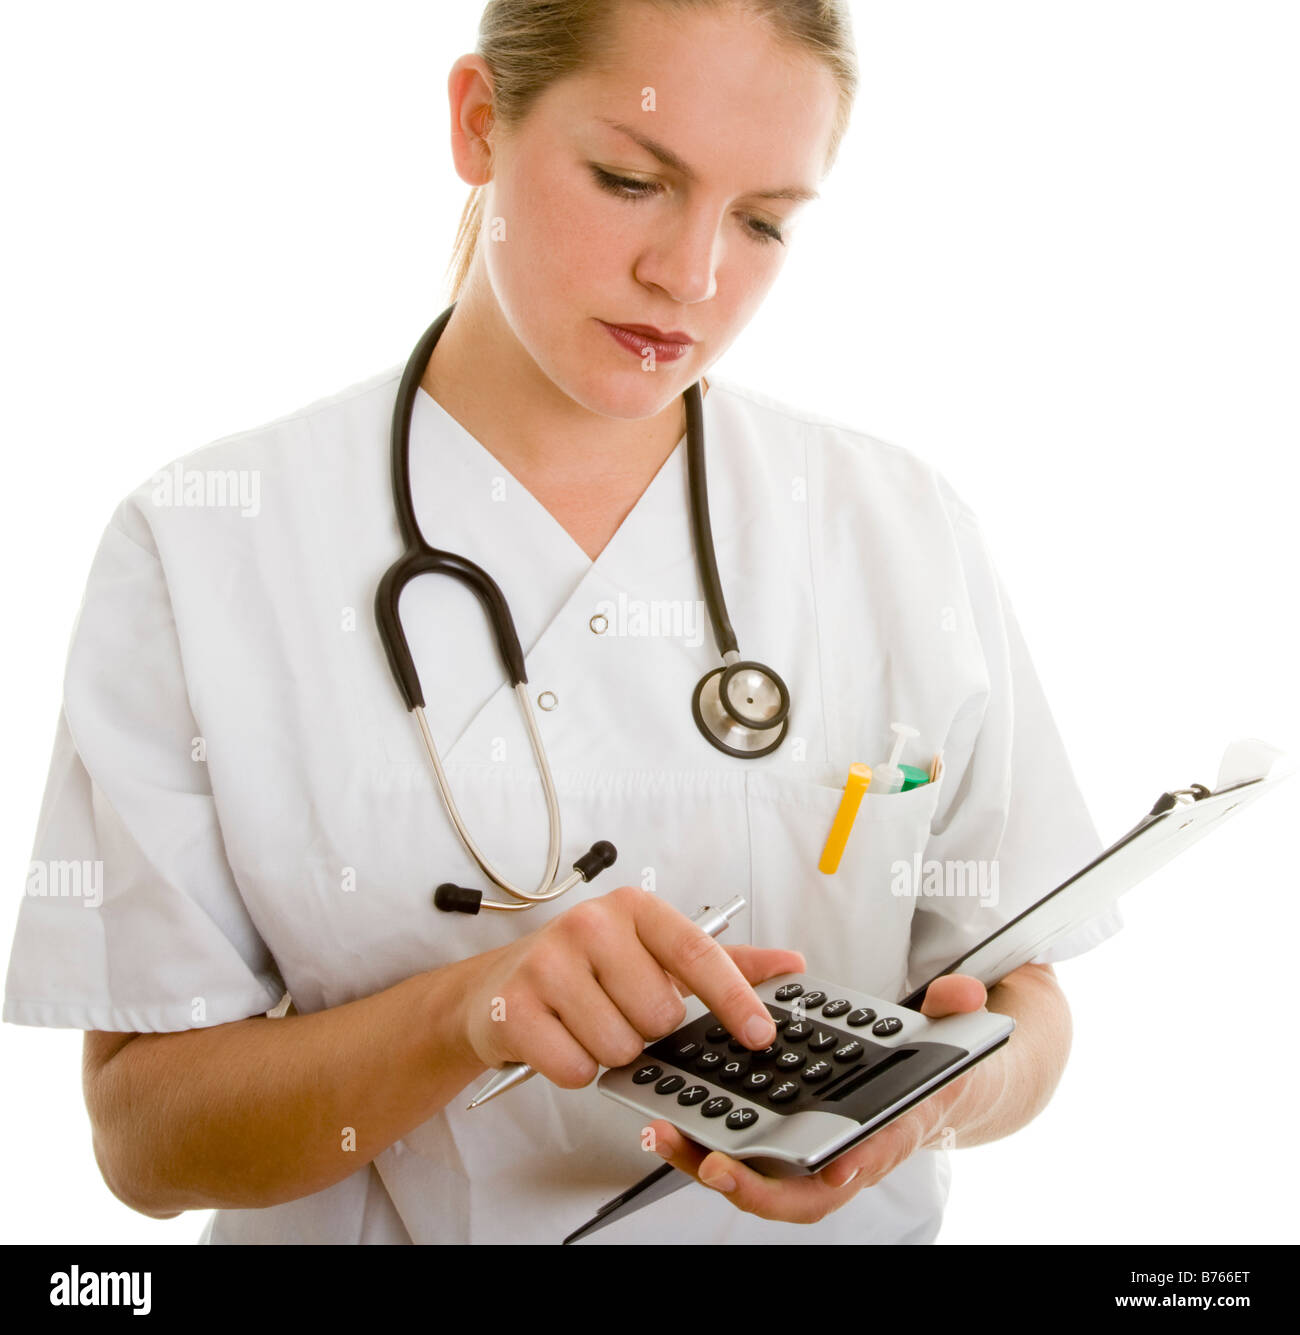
953, 994
755, 964
758, 964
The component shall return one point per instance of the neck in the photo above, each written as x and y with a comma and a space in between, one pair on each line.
482, 377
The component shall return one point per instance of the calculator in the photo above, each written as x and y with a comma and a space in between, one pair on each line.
844, 1064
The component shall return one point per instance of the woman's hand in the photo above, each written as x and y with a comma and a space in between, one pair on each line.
805, 1200
595, 984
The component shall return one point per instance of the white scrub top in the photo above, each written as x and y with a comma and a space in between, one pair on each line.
233, 750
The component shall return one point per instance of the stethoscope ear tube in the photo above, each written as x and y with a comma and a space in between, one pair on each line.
705, 555
425, 560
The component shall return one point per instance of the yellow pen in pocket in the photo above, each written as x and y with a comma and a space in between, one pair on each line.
858, 780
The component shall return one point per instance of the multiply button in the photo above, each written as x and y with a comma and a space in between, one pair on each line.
692, 1095
788, 991
716, 1106
646, 1074
863, 1015
891, 1024
741, 1118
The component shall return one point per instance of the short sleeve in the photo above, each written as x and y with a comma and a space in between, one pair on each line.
131, 919
1010, 802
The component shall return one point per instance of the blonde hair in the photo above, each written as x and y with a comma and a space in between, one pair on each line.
530, 44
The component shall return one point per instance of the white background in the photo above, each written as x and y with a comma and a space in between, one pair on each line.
1057, 258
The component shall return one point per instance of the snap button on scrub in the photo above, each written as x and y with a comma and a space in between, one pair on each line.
547, 700
599, 623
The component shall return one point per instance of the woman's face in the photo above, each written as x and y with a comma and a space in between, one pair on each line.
680, 220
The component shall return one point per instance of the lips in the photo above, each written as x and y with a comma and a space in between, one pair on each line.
640, 338
656, 335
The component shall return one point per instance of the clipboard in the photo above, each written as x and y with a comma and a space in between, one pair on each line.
1178, 819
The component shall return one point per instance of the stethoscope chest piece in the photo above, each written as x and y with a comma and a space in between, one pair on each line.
742, 708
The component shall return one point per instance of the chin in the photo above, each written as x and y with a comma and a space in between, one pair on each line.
629, 395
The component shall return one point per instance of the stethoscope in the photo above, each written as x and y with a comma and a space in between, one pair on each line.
741, 708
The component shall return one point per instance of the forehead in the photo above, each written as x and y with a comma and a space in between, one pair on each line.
721, 87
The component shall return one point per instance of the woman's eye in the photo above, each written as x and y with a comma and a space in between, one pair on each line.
627, 187
624, 186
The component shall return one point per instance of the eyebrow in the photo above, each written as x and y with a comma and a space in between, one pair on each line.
670, 159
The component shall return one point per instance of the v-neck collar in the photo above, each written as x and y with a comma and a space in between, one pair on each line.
654, 534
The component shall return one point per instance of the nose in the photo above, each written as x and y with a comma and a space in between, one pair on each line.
682, 261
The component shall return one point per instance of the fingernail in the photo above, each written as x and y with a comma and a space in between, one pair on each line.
850, 1177
758, 1032
723, 1182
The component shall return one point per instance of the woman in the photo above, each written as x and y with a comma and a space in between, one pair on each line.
232, 751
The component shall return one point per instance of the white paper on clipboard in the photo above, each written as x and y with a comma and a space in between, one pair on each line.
1249, 769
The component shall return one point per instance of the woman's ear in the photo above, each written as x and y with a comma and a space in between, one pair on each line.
469, 92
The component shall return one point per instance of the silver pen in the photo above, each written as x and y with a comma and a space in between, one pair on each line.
707, 919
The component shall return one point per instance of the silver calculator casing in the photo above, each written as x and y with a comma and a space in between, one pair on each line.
807, 1138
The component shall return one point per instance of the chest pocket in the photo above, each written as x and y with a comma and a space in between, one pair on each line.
850, 926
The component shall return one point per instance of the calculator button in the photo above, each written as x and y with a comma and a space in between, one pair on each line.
797, 1031
767, 1054
822, 1040
813, 999
708, 1060
891, 1024
716, 1106
851, 1050
819, 1070
791, 1060
692, 1095
833, 1008
863, 1015
718, 1034
646, 1074
780, 1020
670, 1084
685, 1050
758, 1080
784, 1092
732, 1070
788, 991
741, 1118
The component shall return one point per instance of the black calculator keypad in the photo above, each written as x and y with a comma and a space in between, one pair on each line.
807, 1060
814, 1064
